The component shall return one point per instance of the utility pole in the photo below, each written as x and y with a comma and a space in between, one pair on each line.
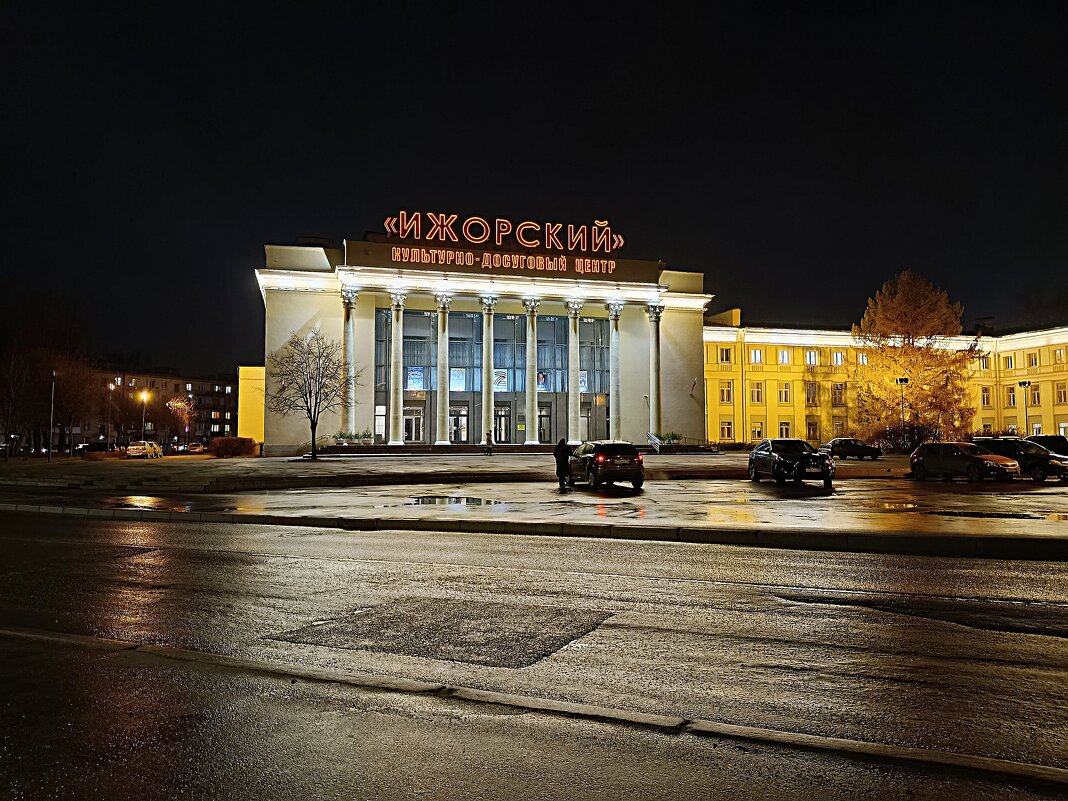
901, 382
1024, 385
144, 404
107, 436
51, 416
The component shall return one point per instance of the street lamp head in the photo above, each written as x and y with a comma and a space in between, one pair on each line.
144, 396
903, 380
111, 387
1024, 383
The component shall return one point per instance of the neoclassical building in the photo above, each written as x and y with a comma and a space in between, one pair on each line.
450, 343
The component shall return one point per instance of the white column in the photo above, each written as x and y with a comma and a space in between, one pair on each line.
615, 397
443, 370
396, 371
488, 302
348, 298
574, 396
532, 305
654, 310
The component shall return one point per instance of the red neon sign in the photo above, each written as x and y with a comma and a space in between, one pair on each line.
443, 227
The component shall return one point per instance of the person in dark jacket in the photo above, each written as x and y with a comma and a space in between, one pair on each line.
562, 454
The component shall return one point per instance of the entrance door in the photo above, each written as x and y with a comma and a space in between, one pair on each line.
545, 419
584, 422
458, 423
502, 424
413, 424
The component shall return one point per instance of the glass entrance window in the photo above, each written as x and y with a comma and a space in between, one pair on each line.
458, 423
545, 418
413, 424
584, 422
502, 424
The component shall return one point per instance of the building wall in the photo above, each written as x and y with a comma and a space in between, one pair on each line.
250, 402
291, 312
731, 371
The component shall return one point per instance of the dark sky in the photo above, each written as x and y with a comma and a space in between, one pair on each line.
796, 154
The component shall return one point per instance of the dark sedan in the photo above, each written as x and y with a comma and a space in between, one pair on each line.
794, 459
605, 462
1051, 442
844, 447
951, 459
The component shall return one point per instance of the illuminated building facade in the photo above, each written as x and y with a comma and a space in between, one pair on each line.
778, 382
523, 332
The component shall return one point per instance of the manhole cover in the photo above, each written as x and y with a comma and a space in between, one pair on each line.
498, 635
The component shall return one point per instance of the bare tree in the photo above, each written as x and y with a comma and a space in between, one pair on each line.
184, 413
306, 376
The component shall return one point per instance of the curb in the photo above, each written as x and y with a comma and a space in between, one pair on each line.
662, 724
1039, 549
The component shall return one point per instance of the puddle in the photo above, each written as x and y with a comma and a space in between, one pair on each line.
448, 500
145, 502
899, 506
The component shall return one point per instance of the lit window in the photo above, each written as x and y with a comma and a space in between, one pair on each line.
784, 428
984, 395
1036, 396
839, 358
725, 355
838, 394
1010, 396
756, 356
757, 430
1032, 360
784, 392
726, 430
133, 382
118, 381
756, 392
227, 415
229, 390
810, 393
862, 358
784, 356
1058, 356
812, 358
726, 392
188, 387
1007, 362
217, 388
215, 428
226, 429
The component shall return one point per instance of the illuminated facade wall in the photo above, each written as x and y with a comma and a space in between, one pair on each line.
387, 313
772, 382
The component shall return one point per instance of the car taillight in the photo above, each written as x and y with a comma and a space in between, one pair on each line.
641, 458
600, 457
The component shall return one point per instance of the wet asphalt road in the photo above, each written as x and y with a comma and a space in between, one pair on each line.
965, 656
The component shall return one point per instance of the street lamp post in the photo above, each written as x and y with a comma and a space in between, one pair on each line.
1024, 385
51, 416
107, 436
901, 383
144, 404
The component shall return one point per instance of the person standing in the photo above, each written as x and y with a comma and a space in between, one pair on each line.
489, 443
562, 454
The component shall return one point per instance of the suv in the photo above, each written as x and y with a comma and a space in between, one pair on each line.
606, 461
844, 447
1051, 442
783, 459
1034, 460
951, 459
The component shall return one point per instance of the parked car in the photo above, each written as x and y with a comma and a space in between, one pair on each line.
90, 447
1056, 443
951, 459
1035, 461
607, 461
143, 449
196, 447
844, 447
782, 459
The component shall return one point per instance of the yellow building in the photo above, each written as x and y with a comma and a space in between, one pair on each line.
781, 382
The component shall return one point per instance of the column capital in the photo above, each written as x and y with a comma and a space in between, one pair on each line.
574, 307
349, 295
397, 299
615, 308
531, 305
654, 310
443, 301
488, 302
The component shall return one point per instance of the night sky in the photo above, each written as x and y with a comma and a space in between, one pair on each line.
796, 155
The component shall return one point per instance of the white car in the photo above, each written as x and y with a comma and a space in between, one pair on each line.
196, 447
144, 449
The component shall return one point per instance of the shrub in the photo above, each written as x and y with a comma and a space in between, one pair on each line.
223, 447
898, 439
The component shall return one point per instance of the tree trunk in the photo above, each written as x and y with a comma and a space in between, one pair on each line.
315, 450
